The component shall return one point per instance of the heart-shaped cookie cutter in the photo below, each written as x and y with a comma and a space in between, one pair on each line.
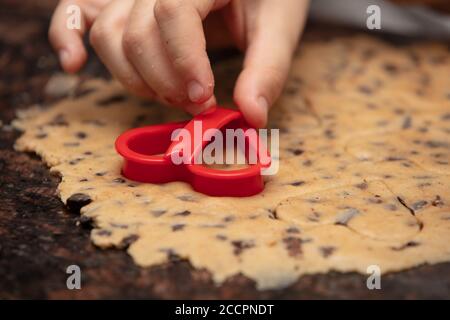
148, 156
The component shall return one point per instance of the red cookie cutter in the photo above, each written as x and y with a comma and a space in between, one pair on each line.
147, 154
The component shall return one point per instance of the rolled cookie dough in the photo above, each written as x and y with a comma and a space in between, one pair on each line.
364, 177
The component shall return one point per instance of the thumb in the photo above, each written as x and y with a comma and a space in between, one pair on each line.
272, 35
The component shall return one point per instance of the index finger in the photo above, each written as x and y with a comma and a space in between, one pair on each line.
180, 24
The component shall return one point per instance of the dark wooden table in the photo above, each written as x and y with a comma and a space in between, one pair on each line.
39, 238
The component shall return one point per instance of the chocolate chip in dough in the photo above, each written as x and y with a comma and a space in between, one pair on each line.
228, 219
365, 90
71, 144
241, 245
419, 205
375, 200
41, 136
187, 198
327, 251
58, 121
437, 144
437, 202
184, 213
221, 237
391, 207
127, 241
158, 213
103, 233
391, 68
86, 221
392, 158
178, 227
296, 152
292, 230
172, 256
329, 134
78, 200
75, 161
314, 216
362, 186
293, 246
81, 135
407, 122
307, 163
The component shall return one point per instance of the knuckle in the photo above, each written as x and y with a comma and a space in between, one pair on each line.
183, 62
166, 9
172, 95
132, 40
98, 32
131, 81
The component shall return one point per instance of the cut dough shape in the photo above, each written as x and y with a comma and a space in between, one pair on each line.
428, 148
369, 209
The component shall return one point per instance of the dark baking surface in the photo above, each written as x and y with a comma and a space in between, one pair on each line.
39, 238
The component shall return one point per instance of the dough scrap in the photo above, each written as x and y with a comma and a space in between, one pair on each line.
354, 188
373, 212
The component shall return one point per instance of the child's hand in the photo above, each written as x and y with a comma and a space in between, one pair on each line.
156, 48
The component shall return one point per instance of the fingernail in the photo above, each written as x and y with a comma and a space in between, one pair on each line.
262, 103
64, 56
195, 91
